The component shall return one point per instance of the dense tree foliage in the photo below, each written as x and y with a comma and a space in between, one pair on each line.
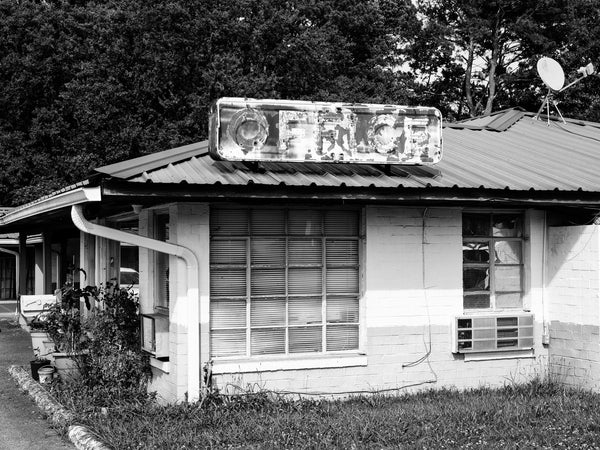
486, 51
87, 83
90, 83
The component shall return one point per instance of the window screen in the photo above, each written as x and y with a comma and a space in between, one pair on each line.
283, 281
161, 281
492, 260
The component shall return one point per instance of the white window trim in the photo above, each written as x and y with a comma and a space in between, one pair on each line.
504, 354
159, 364
524, 239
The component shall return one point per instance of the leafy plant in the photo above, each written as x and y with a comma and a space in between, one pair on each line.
63, 321
114, 362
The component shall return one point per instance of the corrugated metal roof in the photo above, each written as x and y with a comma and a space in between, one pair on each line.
509, 150
131, 167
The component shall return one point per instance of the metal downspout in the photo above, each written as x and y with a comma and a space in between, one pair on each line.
193, 288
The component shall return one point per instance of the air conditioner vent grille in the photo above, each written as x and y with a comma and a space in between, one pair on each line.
492, 333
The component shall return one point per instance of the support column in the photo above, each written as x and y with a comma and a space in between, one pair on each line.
87, 249
22, 281
47, 264
39, 270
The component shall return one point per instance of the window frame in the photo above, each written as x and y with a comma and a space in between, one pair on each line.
249, 238
159, 306
128, 222
491, 240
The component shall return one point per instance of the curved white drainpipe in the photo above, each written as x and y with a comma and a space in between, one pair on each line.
193, 299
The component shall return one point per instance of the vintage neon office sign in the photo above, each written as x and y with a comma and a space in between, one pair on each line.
300, 131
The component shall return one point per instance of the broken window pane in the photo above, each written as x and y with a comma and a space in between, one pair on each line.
476, 279
507, 225
476, 225
476, 252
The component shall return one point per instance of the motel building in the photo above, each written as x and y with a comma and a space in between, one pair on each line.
331, 249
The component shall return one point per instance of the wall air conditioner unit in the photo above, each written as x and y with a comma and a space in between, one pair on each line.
155, 335
492, 333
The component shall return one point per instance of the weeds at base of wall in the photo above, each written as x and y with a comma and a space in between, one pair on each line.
537, 414
569, 372
527, 372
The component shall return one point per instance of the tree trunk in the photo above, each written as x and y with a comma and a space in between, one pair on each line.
492, 70
468, 73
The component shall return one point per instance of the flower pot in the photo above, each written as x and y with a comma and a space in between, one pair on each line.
66, 366
42, 344
46, 374
37, 364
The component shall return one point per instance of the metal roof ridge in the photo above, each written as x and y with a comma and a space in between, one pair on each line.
136, 166
500, 120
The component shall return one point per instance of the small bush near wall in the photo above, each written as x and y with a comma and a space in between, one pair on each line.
112, 364
115, 360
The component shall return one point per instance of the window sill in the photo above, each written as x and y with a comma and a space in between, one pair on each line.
508, 354
272, 365
163, 366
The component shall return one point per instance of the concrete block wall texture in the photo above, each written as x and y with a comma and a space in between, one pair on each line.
574, 310
412, 290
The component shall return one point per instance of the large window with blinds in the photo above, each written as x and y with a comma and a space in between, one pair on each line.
161, 264
283, 281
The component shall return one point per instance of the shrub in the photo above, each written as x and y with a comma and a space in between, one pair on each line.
106, 343
114, 362
62, 320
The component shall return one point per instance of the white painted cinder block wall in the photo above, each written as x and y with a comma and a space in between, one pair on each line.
189, 227
574, 312
411, 290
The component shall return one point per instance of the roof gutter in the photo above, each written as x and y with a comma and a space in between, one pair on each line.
52, 203
193, 282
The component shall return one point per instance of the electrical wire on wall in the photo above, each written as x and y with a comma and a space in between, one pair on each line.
245, 392
427, 340
585, 246
425, 357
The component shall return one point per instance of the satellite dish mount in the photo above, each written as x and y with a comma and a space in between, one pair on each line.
553, 77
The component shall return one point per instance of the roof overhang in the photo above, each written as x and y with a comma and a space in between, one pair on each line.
118, 191
52, 203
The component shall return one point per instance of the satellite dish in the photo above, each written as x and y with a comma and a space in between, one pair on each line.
551, 73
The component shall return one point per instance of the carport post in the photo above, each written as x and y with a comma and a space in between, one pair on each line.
22, 281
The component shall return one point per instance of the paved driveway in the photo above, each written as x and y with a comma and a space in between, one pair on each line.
22, 426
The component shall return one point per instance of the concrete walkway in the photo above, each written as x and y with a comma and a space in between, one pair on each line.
22, 426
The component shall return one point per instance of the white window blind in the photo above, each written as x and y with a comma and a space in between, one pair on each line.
283, 281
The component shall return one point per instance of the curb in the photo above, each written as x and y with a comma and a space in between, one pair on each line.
82, 437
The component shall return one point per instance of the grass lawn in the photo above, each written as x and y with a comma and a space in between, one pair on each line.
534, 415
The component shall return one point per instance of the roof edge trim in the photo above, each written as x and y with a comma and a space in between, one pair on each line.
131, 167
64, 199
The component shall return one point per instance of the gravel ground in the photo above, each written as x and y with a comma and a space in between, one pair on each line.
22, 425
